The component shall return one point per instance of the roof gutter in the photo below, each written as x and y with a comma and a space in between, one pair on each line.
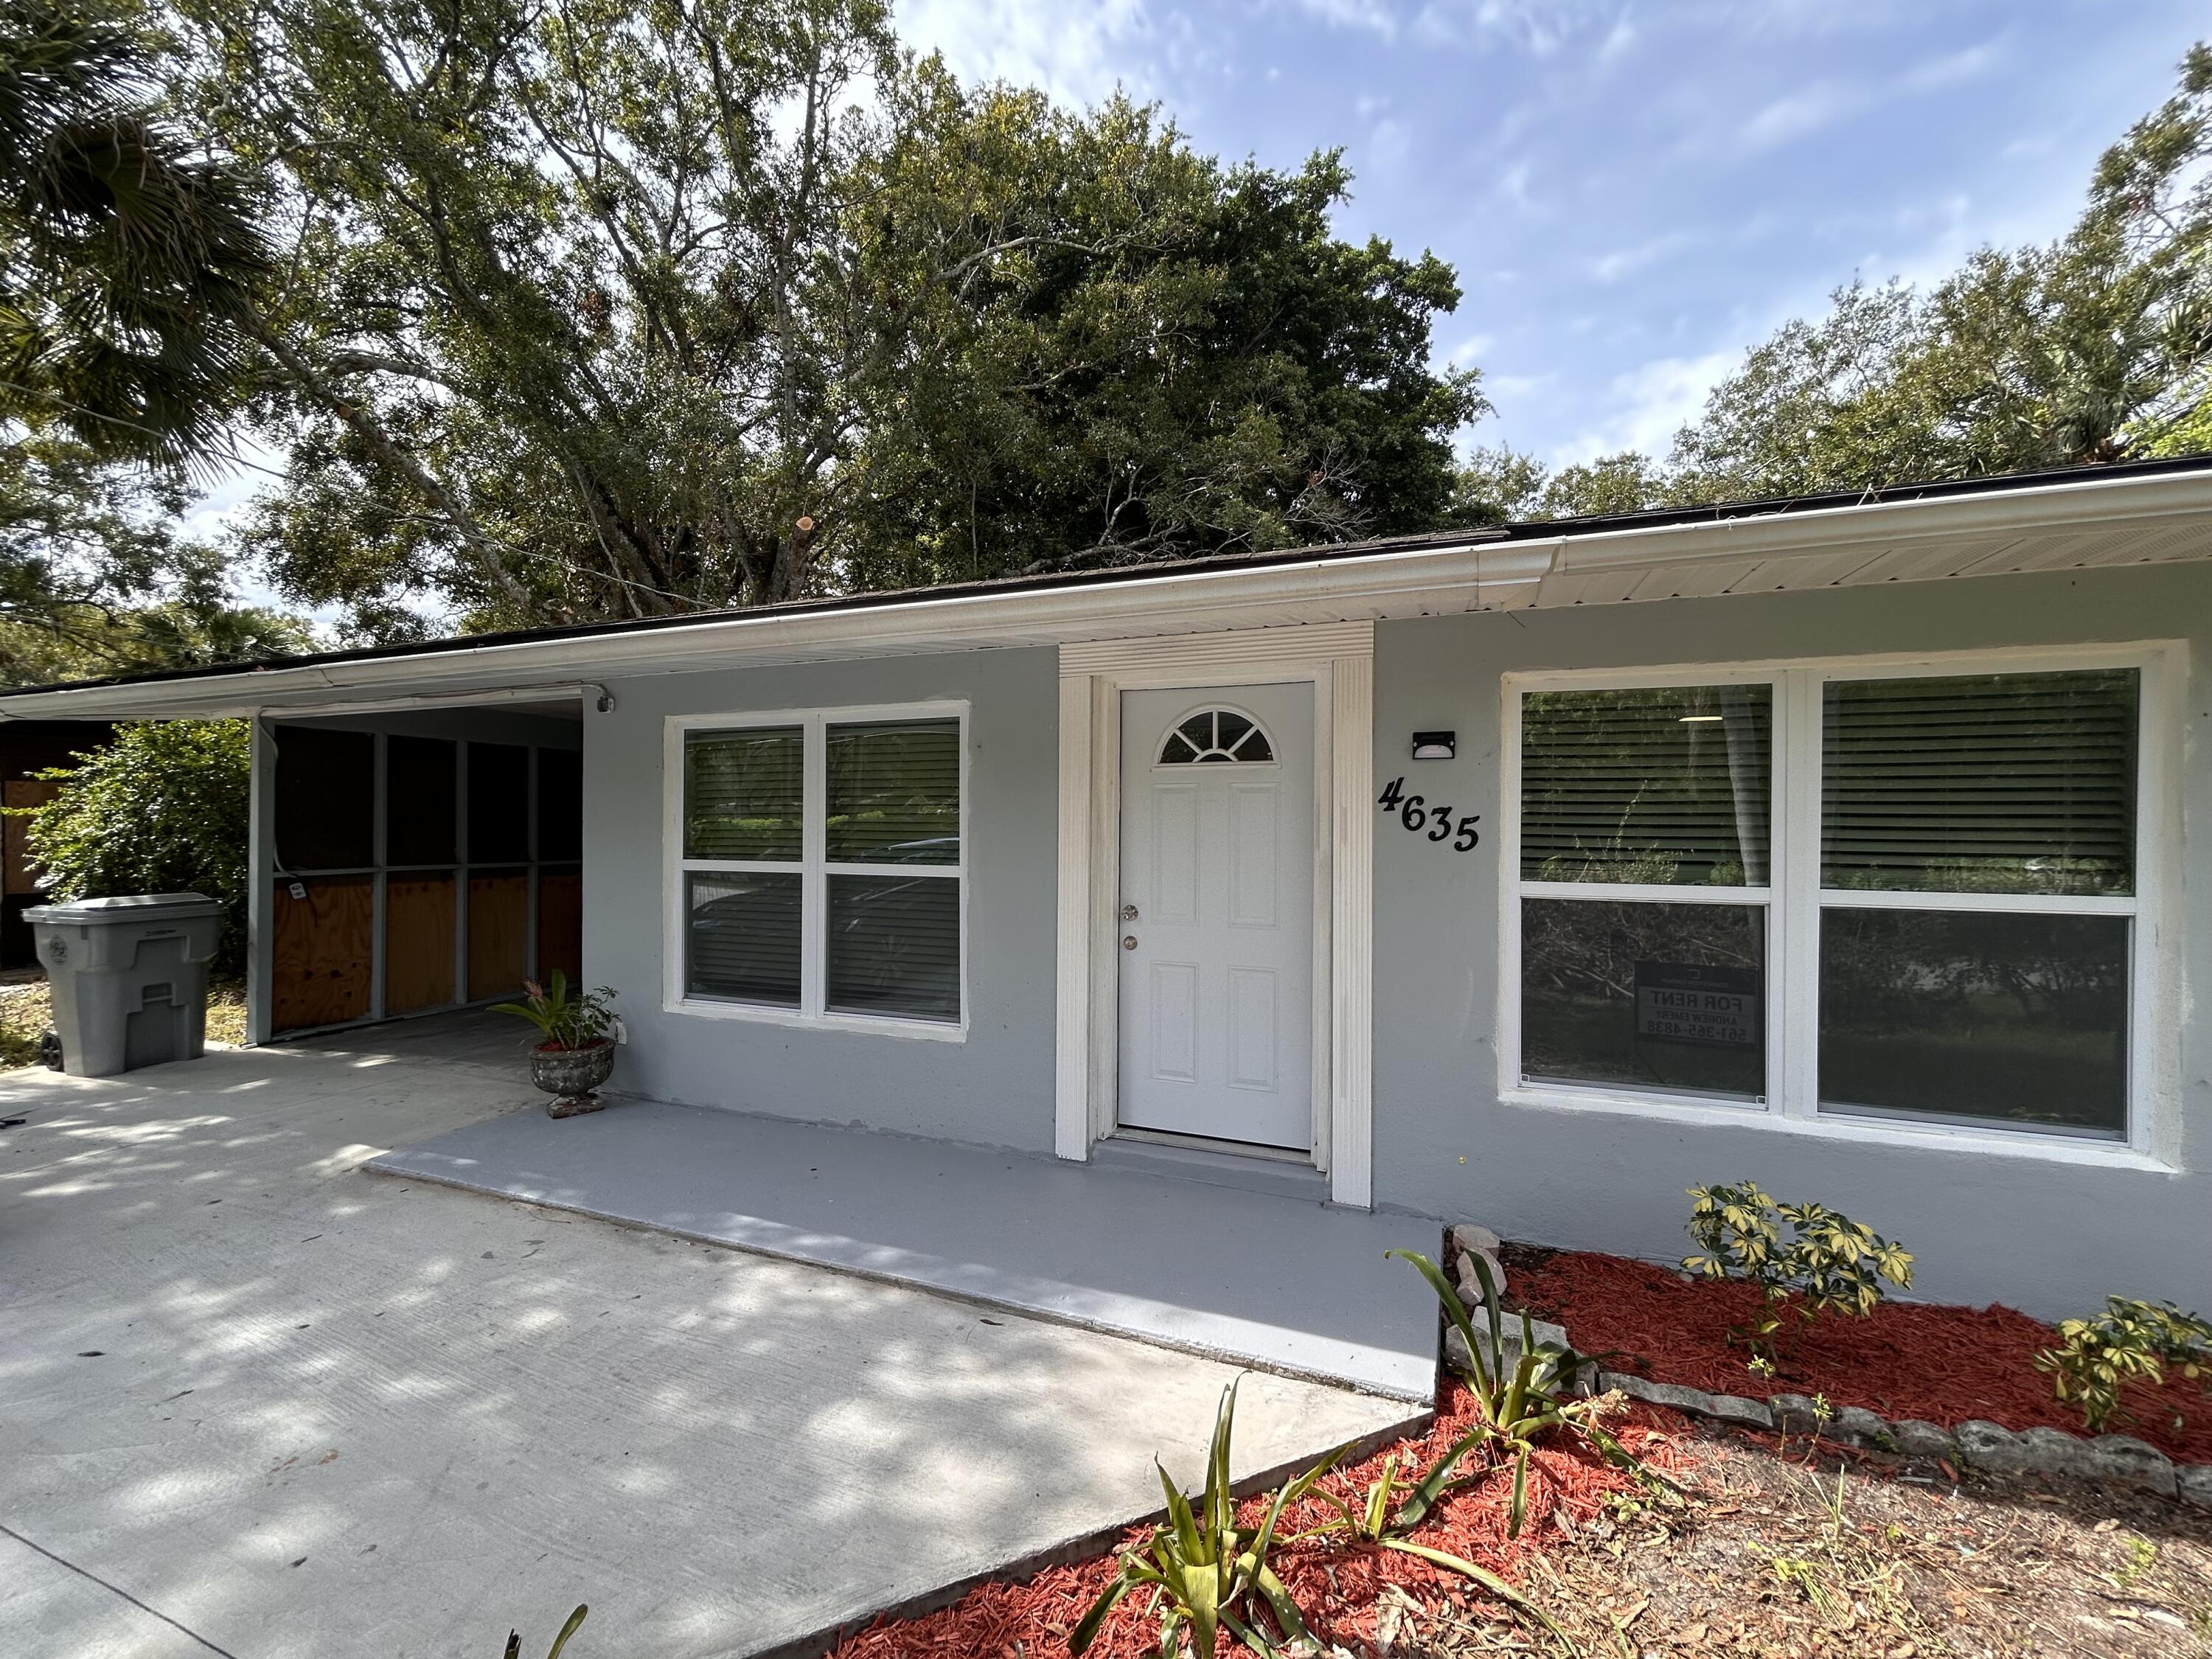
1480, 574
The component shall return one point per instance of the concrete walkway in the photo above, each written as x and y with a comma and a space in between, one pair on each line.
1286, 1283
254, 1402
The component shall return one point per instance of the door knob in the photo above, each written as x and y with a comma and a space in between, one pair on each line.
1128, 941
1128, 912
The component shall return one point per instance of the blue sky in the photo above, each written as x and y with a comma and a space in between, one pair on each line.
1632, 193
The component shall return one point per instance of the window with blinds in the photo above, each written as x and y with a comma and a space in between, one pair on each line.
1641, 808
1664, 785
1960, 937
823, 866
2018, 789
894, 792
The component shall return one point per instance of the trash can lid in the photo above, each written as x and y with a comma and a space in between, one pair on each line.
128, 908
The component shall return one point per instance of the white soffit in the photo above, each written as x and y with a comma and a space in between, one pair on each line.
2078, 524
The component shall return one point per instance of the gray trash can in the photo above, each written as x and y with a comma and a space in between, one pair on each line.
129, 977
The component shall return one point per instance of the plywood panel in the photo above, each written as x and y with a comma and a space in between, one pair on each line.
418, 942
560, 923
321, 952
499, 932
15, 871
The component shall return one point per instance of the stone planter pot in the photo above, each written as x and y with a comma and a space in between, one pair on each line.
570, 1075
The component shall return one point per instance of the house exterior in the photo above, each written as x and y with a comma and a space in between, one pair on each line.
1530, 876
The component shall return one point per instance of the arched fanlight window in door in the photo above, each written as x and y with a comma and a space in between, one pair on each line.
1216, 734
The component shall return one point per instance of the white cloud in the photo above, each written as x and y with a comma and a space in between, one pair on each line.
1076, 49
1650, 402
1388, 144
1796, 114
1473, 346
1513, 185
1510, 387
1953, 69
1539, 28
1374, 16
1627, 261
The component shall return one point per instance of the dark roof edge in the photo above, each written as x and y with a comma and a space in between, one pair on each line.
1518, 531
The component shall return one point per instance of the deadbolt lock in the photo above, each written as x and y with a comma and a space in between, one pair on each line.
1128, 912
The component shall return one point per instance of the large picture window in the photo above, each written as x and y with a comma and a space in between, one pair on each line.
1832, 892
820, 865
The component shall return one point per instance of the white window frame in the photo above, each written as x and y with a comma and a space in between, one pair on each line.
1794, 899
813, 868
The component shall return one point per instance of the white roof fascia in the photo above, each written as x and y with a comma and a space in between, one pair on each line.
1826, 545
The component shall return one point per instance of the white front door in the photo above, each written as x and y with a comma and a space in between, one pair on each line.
1215, 927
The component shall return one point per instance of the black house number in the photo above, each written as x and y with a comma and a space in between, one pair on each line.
1435, 822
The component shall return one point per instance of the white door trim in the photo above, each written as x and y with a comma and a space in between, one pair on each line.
1338, 659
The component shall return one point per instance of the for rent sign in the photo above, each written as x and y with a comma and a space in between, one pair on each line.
1714, 1007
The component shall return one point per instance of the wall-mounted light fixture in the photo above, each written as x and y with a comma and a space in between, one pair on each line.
1435, 745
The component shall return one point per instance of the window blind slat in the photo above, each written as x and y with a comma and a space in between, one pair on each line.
743, 937
894, 792
895, 946
741, 792
1993, 783
1666, 785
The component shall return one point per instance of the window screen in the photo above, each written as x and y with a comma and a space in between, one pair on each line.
1663, 786
325, 798
419, 800
559, 804
499, 803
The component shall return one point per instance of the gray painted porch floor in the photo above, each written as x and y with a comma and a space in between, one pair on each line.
1278, 1282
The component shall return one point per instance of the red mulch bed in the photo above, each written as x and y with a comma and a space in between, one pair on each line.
1941, 1364
1336, 1584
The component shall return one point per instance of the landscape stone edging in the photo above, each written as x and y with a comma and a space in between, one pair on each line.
2119, 1458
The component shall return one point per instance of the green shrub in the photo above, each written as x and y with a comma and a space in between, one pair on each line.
1203, 1574
162, 809
1204, 1577
2128, 1342
1828, 1263
1518, 1406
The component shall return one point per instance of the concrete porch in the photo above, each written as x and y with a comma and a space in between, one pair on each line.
1165, 1249
261, 1403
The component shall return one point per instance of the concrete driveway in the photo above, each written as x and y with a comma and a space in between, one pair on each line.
256, 1402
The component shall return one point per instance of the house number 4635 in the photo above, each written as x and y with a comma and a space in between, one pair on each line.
1436, 822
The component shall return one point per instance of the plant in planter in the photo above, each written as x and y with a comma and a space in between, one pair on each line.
1828, 1263
578, 1052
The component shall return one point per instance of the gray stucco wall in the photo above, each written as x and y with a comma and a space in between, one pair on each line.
995, 1088
2050, 1236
